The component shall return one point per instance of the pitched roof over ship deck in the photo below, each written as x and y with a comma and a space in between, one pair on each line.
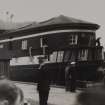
57, 23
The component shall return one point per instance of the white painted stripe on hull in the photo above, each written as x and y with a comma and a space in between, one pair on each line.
42, 34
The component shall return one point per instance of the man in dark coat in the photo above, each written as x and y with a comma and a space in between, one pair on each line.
70, 77
73, 77
67, 77
43, 85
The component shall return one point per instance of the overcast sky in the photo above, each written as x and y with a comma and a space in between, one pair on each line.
40, 10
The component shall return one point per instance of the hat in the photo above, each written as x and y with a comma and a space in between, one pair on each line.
42, 57
73, 63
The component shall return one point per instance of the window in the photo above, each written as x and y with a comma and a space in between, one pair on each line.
60, 56
43, 42
24, 44
103, 54
57, 56
69, 55
83, 55
53, 56
72, 39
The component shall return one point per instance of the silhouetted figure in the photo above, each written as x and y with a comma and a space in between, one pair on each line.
67, 77
73, 77
43, 86
70, 77
100, 75
98, 41
92, 96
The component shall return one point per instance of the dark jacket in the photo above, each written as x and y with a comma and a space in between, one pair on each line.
43, 78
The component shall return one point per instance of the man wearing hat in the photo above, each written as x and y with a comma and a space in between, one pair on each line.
73, 76
43, 85
70, 77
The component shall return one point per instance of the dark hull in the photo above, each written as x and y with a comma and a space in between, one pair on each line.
28, 73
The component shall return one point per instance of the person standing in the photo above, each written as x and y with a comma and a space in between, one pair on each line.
100, 77
67, 77
43, 86
73, 77
70, 77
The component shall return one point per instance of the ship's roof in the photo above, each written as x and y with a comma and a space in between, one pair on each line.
63, 19
60, 21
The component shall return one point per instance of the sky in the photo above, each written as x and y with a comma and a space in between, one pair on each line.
40, 10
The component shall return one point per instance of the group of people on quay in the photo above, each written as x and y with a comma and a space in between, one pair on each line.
10, 94
97, 90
